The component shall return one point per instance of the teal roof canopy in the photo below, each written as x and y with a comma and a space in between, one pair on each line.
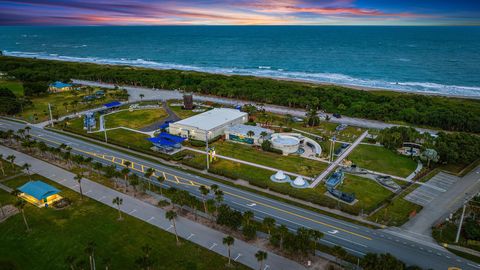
38, 189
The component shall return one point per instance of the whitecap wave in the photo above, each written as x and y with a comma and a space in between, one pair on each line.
333, 78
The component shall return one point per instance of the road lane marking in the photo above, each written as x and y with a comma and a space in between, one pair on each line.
169, 227
150, 219
214, 245
238, 256
333, 232
133, 211
251, 204
266, 267
103, 197
191, 235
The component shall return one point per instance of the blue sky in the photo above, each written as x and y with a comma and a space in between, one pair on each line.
239, 12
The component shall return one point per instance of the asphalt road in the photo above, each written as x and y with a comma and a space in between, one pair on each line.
356, 239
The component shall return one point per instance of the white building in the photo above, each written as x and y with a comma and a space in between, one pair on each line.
241, 133
214, 122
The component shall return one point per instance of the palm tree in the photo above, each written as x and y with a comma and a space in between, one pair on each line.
172, 215
218, 199
20, 204
261, 256
316, 235
12, 158
1, 165
97, 166
127, 164
79, 177
90, 250
134, 182
263, 135
282, 231
141, 96
27, 167
269, 223
247, 216
118, 201
204, 190
250, 133
161, 180
125, 172
228, 241
27, 129
148, 173
214, 188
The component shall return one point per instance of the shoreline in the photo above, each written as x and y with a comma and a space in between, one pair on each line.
297, 80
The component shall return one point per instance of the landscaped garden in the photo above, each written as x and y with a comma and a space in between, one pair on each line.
380, 159
58, 238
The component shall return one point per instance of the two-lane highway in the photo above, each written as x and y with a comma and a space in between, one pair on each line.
357, 239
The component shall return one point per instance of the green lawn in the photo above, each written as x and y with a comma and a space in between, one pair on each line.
57, 234
136, 119
61, 105
369, 193
380, 159
291, 163
128, 138
14, 86
179, 111
396, 213
327, 129
261, 178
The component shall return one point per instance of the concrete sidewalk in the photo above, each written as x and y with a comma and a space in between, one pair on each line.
242, 252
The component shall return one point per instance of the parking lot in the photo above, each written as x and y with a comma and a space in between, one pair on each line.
434, 187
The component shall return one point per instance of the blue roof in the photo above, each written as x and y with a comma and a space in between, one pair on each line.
335, 179
170, 137
161, 141
59, 84
113, 104
38, 189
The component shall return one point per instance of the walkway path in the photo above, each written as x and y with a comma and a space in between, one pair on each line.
334, 164
204, 236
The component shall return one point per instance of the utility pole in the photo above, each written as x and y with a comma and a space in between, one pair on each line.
206, 149
105, 130
50, 111
461, 221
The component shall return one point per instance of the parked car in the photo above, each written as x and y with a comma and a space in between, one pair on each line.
337, 115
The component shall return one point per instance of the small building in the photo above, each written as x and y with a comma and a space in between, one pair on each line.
165, 142
188, 102
89, 121
214, 122
58, 87
39, 193
241, 133
111, 106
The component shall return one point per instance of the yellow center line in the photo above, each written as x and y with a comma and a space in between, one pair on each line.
239, 196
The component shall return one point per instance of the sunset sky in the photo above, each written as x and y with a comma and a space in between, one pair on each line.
240, 12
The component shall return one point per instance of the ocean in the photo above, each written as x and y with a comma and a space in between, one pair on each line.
434, 60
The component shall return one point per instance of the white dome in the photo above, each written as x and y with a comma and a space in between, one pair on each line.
299, 181
280, 175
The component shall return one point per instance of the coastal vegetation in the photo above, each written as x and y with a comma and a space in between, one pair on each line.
452, 114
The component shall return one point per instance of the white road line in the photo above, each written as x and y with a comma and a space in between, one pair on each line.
266, 267
61, 181
75, 186
88, 192
150, 219
238, 256
191, 235
214, 245
133, 211
171, 226
473, 265
103, 197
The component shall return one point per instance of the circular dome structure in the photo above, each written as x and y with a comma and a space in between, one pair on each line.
286, 143
299, 182
280, 177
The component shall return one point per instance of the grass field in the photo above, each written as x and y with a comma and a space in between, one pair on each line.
57, 234
14, 86
380, 159
179, 111
368, 192
135, 119
291, 163
396, 213
61, 105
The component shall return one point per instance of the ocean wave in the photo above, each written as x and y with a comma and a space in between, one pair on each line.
265, 71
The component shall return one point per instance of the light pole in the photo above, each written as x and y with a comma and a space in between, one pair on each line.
206, 149
105, 129
50, 111
461, 221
